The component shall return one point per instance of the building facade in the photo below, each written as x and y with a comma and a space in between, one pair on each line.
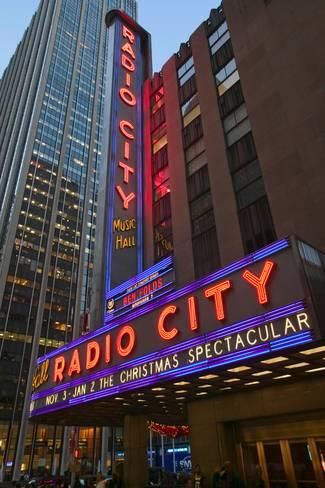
51, 128
223, 329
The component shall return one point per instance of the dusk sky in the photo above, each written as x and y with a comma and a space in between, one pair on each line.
170, 22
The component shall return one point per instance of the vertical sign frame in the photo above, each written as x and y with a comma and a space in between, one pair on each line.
129, 48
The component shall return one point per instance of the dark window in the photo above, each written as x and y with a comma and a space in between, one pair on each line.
206, 253
256, 225
158, 118
187, 90
198, 183
231, 99
192, 132
160, 159
205, 246
162, 209
222, 56
242, 152
163, 239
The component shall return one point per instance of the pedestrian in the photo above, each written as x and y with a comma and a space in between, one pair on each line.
77, 483
229, 478
197, 478
216, 479
115, 482
101, 482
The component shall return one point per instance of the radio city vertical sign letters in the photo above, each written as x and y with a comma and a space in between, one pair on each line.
253, 307
125, 77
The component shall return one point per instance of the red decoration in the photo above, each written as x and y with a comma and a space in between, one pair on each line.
169, 430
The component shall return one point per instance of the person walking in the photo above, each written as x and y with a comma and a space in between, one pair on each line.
229, 478
197, 478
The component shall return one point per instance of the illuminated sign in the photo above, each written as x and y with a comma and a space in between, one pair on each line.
41, 375
145, 287
125, 77
255, 306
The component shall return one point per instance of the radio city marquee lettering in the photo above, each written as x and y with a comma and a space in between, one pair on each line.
251, 308
125, 150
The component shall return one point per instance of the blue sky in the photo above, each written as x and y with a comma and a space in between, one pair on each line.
169, 21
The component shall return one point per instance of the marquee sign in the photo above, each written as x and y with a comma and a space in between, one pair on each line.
147, 286
253, 307
125, 77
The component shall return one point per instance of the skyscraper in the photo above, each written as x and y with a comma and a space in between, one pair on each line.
51, 115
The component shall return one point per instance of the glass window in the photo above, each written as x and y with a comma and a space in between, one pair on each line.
228, 83
321, 452
192, 132
185, 67
256, 225
190, 116
235, 117
275, 466
246, 175
303, 464
218, 33
251, 464
187, 76
220, 42
226, 71
238, 132
189, 104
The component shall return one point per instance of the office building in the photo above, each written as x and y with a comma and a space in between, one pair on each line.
51, 127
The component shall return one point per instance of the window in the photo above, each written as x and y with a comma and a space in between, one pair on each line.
221, 41
157, 100
256, 225
235, 117
161, 183
189, 104
158, 118
192, 132
228, 83
162, 209
206, 253
160, 159
238, 132
242, 152
198, 183
218, 33
187, 90
186, 71
222, 56
222, 74
163, 239
232, 98
204, 236
163, 236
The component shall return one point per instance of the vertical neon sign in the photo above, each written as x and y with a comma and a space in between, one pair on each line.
124, 256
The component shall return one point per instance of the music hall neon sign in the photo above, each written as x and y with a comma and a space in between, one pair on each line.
128, 62
123, 106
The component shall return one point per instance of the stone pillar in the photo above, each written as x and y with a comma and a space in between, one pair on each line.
212, 442
135, 451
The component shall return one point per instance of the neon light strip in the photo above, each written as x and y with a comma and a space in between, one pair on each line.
251, 258
228, 330
139, 157
112, 152
291, 341
167, 262
187, 370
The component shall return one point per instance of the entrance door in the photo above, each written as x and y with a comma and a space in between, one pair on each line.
285, 464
